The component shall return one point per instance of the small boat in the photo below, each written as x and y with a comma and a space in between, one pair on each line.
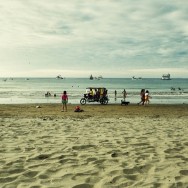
134, 78
100, 77
91, 77
166, 77
59, 77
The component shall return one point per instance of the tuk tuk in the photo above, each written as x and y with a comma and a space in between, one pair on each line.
95, 94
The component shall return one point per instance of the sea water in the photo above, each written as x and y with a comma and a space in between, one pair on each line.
32, 90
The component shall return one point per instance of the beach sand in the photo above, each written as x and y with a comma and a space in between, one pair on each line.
110, 146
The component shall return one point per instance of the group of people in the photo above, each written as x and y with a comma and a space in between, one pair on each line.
123, 92
95, 93
144, 94
48, 94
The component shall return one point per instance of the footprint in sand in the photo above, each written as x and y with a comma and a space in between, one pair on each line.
184, 172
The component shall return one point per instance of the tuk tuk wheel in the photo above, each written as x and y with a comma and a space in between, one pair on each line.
83, 101
103, 101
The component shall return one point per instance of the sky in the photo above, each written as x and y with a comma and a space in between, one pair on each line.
77, 38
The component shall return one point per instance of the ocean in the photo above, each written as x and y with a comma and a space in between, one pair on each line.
32, 90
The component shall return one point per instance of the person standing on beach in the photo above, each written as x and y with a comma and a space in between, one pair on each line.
115, 95
124, 94
64, 99
142, 95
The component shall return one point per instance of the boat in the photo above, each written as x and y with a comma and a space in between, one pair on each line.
59, 77
100, 77
91, 77
166, 77
134, 78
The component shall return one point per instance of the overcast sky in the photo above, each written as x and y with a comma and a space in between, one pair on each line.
76, 38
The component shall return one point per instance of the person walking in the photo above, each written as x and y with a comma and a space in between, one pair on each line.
142, 96
124, 94
147, 97
64, 99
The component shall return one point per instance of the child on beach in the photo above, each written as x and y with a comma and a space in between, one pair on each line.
64, 99
147, 97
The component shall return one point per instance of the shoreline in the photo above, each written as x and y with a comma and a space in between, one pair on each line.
133, 99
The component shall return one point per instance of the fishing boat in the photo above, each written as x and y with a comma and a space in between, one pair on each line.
166, 77
134, 78
98, 78
91, 77
59, 77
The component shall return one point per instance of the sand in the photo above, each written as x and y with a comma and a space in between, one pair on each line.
107, 146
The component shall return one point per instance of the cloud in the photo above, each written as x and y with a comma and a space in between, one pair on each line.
94, 35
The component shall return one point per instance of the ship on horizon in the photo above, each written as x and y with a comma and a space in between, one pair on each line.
166, 77
59, 77
91, 77
135, 78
